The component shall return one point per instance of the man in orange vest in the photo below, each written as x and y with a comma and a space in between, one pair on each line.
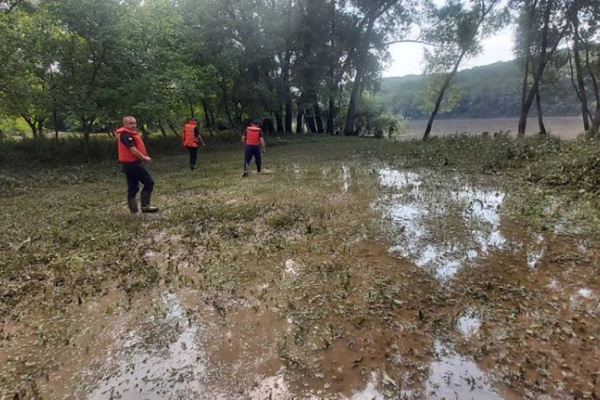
254, 140
132, 152
191, 139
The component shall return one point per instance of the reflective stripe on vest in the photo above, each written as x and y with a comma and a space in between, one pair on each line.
253, 135
125, 154
189, 138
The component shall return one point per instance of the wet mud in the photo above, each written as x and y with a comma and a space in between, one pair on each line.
440, 295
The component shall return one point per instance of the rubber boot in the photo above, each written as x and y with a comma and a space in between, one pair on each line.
146, 207
132, 203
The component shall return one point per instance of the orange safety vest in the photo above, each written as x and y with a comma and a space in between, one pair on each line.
253, 135
125, 154
189, 138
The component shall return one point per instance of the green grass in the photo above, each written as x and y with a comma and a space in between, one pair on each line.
67, 227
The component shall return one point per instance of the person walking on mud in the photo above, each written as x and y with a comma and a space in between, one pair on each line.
191, 140
254, 141
132, 152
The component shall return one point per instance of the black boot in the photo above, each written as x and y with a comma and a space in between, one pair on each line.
146, 207
132, 203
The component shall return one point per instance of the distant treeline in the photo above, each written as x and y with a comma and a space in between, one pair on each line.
489, 91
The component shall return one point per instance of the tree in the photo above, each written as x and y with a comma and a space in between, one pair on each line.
541, 28
457, 33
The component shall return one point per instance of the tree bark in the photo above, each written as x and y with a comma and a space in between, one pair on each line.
545, 55
331, 116
206, 114
318, 118
310, 122
191, 109
32, 125
162, 128
578, 70
299, 120
540, 116
279, 120
172, 129
360, 70
440, 97
55, 123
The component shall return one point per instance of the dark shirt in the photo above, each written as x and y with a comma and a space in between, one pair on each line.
196, 131
127, 140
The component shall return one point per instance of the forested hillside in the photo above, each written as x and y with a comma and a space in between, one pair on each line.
483, 92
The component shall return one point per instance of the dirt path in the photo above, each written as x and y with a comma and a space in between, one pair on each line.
329, 277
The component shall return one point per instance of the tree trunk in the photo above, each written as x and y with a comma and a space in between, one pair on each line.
578, 70
31, 122
162, 128
331, 116
279, 119
191, 109
206, 114
225, 100
299, 120
40, 128
87, 130
318, 118
55, 123
172, 128
596, 120
310, 122
545, 55
289, 108
360, 70
538, 105
440, 97
145, 132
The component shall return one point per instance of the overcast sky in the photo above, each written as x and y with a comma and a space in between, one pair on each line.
408, 57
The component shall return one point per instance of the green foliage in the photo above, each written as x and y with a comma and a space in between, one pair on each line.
425, 99
373, 119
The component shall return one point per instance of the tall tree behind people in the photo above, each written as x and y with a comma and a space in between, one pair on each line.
542, 26
457, 32
377, 19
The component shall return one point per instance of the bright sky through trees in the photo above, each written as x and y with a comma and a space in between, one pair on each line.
407, 58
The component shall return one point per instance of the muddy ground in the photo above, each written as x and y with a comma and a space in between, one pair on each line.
340, 272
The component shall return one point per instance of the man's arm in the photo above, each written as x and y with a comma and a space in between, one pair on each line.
139, 154
263, 145
128, 141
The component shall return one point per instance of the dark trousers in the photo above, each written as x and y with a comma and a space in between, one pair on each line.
136, 173
193, 155
249, 151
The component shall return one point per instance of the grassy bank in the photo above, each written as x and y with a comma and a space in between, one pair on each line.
65, 230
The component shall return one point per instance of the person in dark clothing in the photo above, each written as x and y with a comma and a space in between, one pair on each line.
132, 152
253, 140
191, 139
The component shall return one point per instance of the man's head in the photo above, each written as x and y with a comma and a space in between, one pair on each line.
129, 122
255, 122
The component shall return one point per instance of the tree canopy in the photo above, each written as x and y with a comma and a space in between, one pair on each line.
86, 63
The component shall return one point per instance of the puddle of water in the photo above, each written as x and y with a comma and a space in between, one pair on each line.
141, 370
468, 324
370, 392
415, 214
453, 376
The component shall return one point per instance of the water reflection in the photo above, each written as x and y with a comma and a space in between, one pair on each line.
417, 210
456, 377
168, 365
